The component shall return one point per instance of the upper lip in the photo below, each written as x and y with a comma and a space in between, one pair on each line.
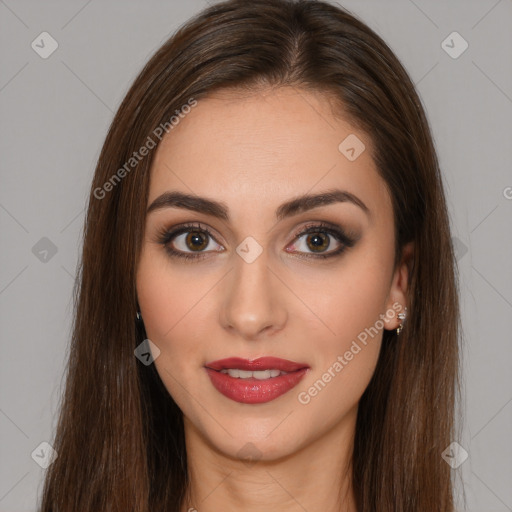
262, 363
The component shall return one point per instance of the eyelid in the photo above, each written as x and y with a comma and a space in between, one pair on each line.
165, 235
328, 227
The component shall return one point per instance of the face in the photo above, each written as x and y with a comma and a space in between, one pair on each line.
311, 283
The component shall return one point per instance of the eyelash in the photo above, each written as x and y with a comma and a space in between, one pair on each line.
165, 236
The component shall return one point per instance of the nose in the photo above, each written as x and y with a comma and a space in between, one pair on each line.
253, 300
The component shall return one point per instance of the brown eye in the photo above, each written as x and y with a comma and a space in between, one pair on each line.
318, 242
314, 240
189, 242
196, 240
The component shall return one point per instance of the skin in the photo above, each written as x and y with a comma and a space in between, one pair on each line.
252, 152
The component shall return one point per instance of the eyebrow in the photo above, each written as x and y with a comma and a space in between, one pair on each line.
174, 199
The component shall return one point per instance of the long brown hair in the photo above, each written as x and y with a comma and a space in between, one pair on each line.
120, 439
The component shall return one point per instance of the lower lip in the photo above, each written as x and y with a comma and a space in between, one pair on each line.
254, 391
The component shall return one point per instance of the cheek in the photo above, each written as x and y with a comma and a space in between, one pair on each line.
172, 304
349, 298
166, 304
346, 353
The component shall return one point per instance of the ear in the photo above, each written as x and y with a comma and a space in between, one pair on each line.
398, 293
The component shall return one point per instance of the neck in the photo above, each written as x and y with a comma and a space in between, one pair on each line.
317, 476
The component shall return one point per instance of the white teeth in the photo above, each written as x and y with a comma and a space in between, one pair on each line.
260, 375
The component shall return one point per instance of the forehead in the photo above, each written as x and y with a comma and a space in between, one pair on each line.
264, 147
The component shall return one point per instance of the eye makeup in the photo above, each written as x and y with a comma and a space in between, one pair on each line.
314, 231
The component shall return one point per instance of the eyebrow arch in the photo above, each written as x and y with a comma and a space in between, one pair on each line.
174, 199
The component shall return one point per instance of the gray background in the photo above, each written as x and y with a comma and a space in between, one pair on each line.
55, 113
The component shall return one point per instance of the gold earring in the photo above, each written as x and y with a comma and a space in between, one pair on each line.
401, 317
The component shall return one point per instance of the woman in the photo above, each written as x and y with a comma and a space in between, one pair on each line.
266, 311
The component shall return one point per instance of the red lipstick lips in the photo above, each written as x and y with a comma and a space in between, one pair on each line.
264, 386
262, 363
